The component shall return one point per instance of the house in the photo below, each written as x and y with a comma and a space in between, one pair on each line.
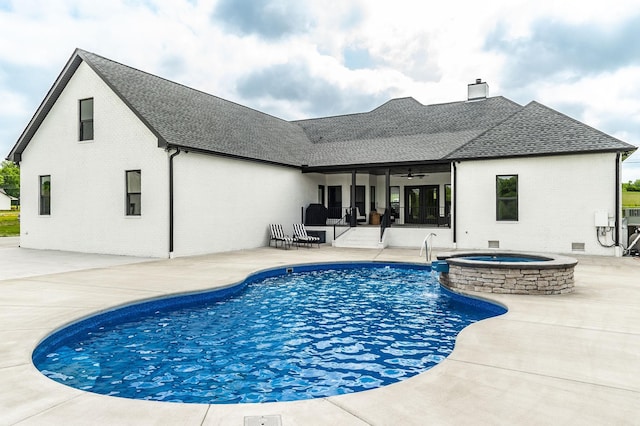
6, 200
119, 161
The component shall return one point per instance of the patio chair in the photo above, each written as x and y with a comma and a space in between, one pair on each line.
277, 234
300, 235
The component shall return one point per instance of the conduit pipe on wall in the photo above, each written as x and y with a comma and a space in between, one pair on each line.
171, 157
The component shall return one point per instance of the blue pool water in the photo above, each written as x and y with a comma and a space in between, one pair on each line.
328, 330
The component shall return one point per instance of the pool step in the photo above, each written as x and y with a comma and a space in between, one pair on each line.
360, 237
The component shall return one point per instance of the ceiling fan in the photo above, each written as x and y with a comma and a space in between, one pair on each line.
411, 175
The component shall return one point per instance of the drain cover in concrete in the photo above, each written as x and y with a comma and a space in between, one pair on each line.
263, 420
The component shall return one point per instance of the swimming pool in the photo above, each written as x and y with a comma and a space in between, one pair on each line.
284, 334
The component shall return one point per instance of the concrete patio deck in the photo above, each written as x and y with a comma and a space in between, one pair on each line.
570, 359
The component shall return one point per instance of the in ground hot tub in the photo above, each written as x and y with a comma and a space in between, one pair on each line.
513, 273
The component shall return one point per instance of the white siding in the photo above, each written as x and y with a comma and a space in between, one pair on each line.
558, 197
223, 204
88, 178
5, 202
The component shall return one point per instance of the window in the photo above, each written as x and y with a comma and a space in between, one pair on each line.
334, 202
360, 204
134, 190
45, 195
86, 119
394, 198
372, 198
447, 200
321, 194
507, 197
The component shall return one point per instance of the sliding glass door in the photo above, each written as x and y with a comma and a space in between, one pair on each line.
421, 204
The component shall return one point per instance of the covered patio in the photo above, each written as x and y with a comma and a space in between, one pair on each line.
411, 195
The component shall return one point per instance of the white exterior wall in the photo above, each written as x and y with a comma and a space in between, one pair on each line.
557, 200
223, 204
5, 202
88, 178
412, 237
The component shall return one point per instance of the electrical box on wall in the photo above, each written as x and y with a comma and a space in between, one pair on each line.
601, 218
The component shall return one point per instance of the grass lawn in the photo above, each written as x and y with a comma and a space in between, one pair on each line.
630, 199
9, 223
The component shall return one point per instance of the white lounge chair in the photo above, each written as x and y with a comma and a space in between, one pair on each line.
277, 234
300, 235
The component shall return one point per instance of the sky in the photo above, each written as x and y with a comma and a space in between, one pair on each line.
299, 59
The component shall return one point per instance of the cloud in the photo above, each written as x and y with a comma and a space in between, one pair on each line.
295, 84
272, 19
565, 50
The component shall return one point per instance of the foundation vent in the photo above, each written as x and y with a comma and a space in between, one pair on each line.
577, 246
494, 244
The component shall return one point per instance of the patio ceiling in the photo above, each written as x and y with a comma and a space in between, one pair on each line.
381, 169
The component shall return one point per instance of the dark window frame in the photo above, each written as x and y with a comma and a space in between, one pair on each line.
394, 201
321, 195
507, 199
133, 199
334, 201
44, 207
447, 199
361, 196
372, 198
85, 123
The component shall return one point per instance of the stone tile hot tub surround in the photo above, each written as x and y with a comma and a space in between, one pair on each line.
551, 274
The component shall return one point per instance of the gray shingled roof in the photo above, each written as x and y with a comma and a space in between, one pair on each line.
400, 131
406, 116
189, 118
401, 149
538, 130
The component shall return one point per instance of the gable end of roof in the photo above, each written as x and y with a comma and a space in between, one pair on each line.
47, 103
538, 130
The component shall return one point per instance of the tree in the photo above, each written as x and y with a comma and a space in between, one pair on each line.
632, 186
10, 178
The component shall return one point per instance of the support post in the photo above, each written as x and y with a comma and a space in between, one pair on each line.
354, 213
387, 191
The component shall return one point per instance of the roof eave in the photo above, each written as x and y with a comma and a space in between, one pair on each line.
187, 149
540, 154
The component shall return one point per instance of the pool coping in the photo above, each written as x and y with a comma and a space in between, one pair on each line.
492, 377
551, 261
